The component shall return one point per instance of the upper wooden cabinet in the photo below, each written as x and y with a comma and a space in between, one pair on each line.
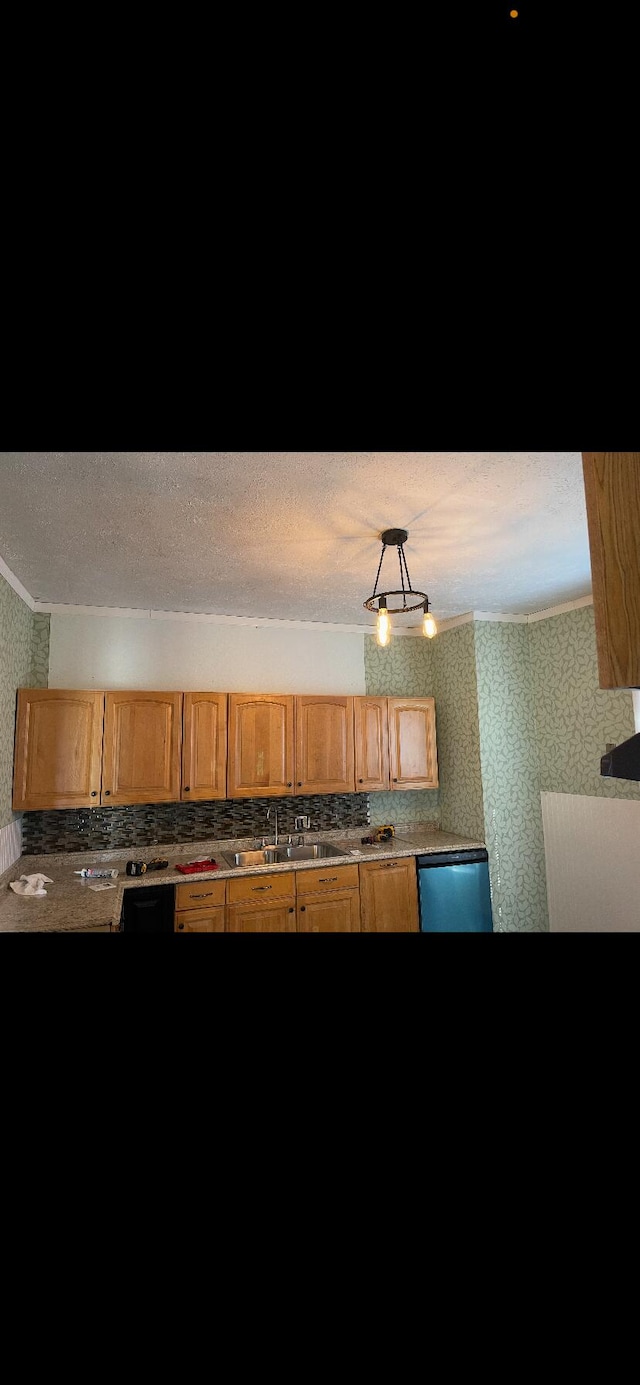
395, 743
413, 761
371, 727
204, 746
261, 745
58, 749
324, 745
612, 487
142, 744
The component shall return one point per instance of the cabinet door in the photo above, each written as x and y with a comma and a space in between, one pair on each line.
389, 896
200, 921
260, 745
371, 730
58, 755
324, 745
204, 746
412, 743
612, 490
142, 743
279, 917
333, 912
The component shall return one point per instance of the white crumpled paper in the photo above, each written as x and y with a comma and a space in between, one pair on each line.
30, 884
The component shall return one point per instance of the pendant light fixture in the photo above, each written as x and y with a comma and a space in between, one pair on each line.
378, 603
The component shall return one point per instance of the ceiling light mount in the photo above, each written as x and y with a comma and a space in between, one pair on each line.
411, 600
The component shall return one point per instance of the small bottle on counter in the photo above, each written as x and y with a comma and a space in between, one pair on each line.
109, 874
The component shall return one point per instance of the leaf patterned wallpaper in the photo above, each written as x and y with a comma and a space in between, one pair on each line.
575, 718
39, 677
403, 669
510, 778
457, 731
16, 627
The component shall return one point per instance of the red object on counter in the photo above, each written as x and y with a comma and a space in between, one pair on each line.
192, 867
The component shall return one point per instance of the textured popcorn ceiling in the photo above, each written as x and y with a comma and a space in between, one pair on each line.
294, 535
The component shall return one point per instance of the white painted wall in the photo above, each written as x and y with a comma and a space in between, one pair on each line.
592, 850
90, 651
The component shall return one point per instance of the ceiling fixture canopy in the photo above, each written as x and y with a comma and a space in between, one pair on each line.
411, 600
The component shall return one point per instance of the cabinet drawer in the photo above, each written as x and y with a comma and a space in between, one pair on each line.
200, 921
327, 878
262, 888
201, 896
399, 863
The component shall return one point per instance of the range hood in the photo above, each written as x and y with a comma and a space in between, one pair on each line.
623, 762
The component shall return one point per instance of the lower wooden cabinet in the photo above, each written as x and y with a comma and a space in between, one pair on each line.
200, 907
200, 920
277, 917
389, 896
337, 911
328, 900
374, 897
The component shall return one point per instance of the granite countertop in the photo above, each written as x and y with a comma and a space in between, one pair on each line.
70, 906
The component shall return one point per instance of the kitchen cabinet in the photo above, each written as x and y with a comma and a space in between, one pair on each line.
395, 743
612, 489
204, 746
371, 735
262, 904
58, 749
413, 761
142, 744
261, 745
200, 907
328, 900
277, 917
389, 896
324, 745
200, 920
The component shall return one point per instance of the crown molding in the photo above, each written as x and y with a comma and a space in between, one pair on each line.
15, 582
560, 610
258, 622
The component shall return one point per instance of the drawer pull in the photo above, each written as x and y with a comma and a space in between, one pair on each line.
326, 879
261, 887
389, 865
206, 895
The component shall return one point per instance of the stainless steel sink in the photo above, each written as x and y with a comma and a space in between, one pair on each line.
268, 856
275, 855
317, 852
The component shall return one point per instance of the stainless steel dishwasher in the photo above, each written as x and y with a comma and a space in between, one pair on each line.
454, 892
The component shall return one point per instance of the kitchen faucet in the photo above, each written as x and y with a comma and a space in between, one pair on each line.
275, 814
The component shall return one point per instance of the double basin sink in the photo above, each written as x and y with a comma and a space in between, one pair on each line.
276, 855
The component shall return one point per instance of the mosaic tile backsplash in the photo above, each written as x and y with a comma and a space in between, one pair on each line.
151, 824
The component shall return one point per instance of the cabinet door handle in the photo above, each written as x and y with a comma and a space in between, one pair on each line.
395, 781
94, 793
107, 793
361, 781
299, 783
292, 911
303, 908
187, 788
290, 784
180, 927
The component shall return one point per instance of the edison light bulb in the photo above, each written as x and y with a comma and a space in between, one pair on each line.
429, 627
383, 627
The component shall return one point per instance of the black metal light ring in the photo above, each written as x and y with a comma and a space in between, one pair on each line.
396, 610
